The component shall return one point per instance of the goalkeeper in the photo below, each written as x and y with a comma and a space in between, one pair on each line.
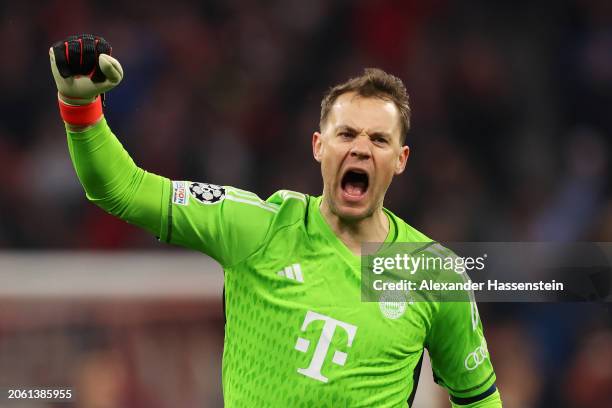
297, 333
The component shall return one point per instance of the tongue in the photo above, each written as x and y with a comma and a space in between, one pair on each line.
355, 188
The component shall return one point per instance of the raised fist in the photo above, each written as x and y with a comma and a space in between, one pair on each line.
83, 68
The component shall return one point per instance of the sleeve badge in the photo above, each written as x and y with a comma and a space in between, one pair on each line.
207, 193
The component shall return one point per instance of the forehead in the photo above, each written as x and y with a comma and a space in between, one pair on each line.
365, 113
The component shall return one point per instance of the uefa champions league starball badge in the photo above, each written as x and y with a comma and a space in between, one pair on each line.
207, 193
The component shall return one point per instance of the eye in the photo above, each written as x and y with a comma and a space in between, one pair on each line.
346, 135
379, 139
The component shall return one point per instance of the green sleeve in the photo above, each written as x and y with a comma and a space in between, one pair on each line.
226, 223
458, 350
112, 180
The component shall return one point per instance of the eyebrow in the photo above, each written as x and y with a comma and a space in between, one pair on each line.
352, 130
345, 128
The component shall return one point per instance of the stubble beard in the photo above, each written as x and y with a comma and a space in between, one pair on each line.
348, 219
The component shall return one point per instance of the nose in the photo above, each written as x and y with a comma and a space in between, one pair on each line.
361, 147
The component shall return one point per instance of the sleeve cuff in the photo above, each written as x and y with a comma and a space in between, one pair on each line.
87, 132
474, 399
472, 392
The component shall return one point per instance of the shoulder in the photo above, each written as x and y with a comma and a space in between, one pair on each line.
292, 206
241, 199
406, 232
288, 197
284, 206
414, 243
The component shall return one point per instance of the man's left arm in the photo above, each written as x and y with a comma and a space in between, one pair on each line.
459, 355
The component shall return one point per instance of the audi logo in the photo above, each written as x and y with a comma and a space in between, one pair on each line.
476, 357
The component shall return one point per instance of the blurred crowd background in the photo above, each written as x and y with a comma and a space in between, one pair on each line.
510, 141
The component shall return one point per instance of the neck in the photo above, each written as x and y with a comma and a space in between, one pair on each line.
353, 233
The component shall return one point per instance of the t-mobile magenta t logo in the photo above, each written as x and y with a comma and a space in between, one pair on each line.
314, 369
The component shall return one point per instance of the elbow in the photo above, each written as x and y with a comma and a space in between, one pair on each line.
109, 204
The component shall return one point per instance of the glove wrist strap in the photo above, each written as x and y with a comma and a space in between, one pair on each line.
81, 115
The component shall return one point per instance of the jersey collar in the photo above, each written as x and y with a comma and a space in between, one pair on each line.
337, 243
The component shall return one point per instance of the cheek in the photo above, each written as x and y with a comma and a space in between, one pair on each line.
386, 168
330, 160
327, 167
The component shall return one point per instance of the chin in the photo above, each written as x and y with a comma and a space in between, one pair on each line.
350, 213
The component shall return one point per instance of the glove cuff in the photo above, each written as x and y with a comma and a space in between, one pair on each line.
81, 115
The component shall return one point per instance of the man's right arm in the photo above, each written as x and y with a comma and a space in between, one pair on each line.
112, 180
226, 223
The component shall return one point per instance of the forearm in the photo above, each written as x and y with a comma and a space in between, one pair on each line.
492, 401
112, 180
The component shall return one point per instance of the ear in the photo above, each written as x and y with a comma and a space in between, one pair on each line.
401, 160
317, 146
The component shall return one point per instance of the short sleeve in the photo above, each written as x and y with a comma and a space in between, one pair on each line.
226, 223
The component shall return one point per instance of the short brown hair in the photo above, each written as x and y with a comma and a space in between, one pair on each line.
374, 82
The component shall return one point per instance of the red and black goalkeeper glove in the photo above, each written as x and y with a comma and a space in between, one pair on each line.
83, 69
78, 55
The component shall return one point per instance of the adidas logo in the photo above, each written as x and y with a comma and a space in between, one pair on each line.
292, 272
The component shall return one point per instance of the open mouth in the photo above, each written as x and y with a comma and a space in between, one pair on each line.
355, 183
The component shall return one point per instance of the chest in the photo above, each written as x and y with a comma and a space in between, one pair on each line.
312, 294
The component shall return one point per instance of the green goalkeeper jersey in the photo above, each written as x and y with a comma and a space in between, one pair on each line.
297, 332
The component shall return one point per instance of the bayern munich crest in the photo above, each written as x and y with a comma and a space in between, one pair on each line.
207, 193
392, 305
